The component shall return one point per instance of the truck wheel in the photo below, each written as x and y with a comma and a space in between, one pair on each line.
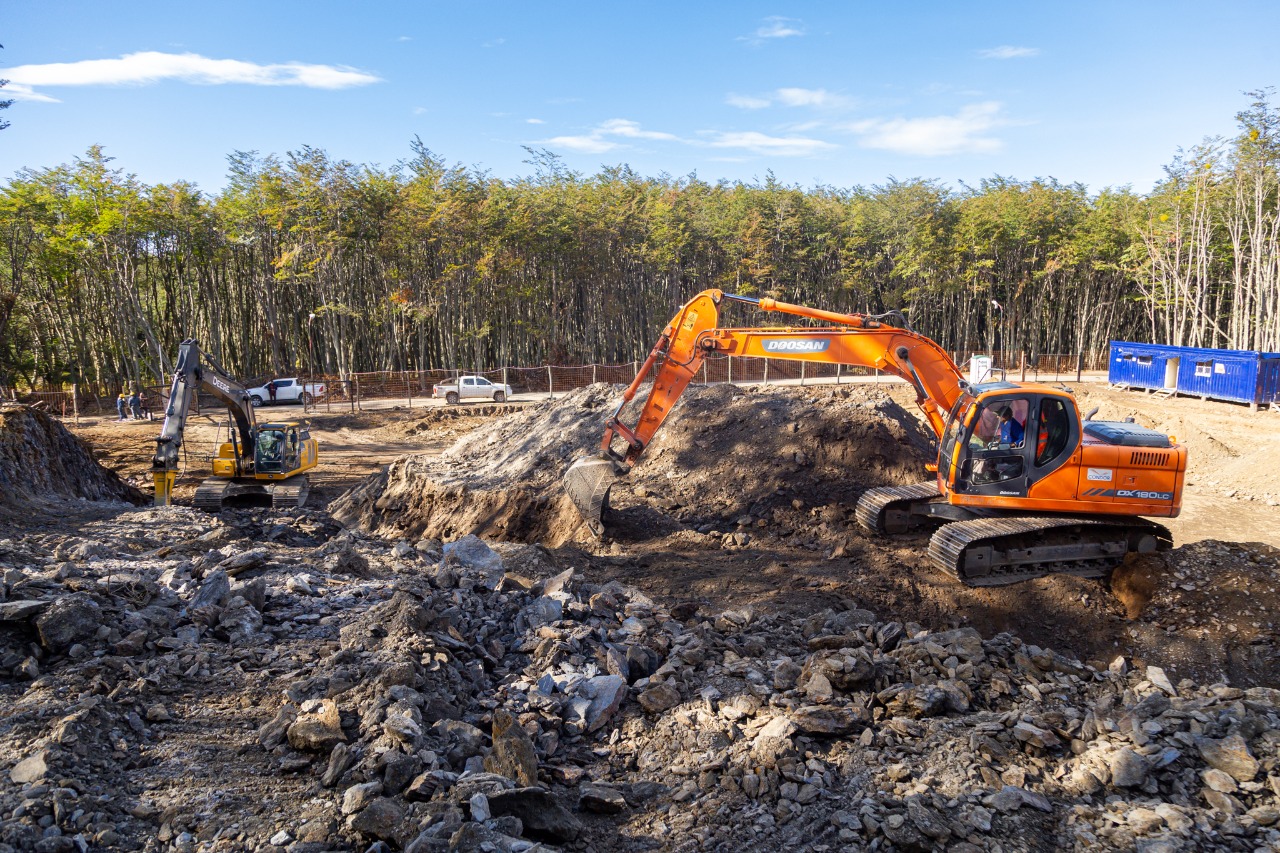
305, 399
451, 398
255, 400
499, 397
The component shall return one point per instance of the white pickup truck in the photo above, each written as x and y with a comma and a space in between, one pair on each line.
470, 388
287, 391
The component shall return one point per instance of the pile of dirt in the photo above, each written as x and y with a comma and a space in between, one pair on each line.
724, 453
40, 459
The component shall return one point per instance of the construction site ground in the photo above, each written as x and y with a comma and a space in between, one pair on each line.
1232, 497
157, 718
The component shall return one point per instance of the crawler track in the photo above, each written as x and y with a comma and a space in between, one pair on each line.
887, 509
999, 551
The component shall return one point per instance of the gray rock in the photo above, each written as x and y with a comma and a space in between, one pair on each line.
601, 799
357, 797
318, 727
606, 693
30, 769
68, 620
659, 698
1231, 755
544, 819
471, 555
513, 753
213, 595
828, 721
381, 818
1128, 768
463, 740
539, 612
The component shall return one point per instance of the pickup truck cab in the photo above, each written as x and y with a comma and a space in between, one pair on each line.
470, 388
287, 391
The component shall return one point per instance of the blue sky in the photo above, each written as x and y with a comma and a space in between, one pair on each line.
839, 93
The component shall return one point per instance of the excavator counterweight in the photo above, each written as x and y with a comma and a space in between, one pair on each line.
1024, 486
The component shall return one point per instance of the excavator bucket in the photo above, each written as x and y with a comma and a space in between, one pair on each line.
588, 481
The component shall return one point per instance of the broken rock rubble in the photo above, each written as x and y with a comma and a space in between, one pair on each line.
467, 696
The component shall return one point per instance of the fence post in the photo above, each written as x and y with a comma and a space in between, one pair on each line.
730, 370
75, 401
408, 386
766, 373
838, 366
704, 372
1024, 367
1079, 365
551, 386
359, 407
802, 374
593, 374
504, 374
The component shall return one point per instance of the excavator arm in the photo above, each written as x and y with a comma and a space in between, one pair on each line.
693, 334
189, 378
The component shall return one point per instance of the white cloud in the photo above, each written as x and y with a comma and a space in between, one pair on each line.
795, 97
405, 38
964, 133
760, 143
147, 67
588, 144
777, 27
747, 102
598, 140
419, 111
612, 135
1008, 51
534, 121
790, 96
631, 130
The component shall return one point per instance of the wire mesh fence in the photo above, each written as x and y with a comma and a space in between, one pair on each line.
414, 387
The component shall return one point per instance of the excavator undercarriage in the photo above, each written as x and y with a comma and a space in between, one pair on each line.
995, 548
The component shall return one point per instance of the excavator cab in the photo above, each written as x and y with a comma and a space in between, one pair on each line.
1002, 439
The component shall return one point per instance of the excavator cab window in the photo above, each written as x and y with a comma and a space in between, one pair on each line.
997, 443
1053, 433
269, 451
954, 432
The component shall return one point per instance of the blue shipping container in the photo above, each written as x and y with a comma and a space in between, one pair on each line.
1241, 376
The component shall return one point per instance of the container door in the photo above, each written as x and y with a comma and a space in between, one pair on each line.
1171, 374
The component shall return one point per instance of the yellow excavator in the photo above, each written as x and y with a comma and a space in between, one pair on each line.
1023, 485
259, 462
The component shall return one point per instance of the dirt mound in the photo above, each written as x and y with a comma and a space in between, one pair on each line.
724, 453
41, 459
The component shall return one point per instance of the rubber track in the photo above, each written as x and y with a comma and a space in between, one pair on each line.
873, 503
948, 546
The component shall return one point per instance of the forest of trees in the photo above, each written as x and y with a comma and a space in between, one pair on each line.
427, 265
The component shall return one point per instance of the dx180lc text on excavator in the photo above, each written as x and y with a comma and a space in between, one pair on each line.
259, 462
1047, 492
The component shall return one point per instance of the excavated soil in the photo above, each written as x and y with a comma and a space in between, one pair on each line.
724, 453
42, 462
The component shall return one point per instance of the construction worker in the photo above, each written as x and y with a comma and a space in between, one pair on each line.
135, 405
121, 401
1011, 431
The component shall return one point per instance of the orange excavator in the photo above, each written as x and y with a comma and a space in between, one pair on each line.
1024, 485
